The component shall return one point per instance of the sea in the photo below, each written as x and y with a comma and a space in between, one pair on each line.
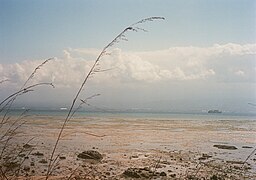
145, 115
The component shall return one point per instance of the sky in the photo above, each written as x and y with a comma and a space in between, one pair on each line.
202, 56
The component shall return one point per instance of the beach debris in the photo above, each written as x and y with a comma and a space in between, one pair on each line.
90, 154
27, 146
26, 168
11, 164
219, 146
138, 173
173, 175
134, 157
38, 154
235, 162
204, 157
142, 173
215, 177
43, 161
62, 157
163, 174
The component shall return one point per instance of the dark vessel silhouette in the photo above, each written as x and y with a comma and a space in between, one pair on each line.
214, 111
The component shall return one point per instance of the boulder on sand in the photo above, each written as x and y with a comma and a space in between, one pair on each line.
91, 154
219, 146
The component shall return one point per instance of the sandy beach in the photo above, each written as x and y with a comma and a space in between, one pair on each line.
139, 148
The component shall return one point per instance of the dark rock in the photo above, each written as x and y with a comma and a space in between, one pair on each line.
247, 147
173, 175
235, 162
91, 154
146, 169
132, 172
191, 177
204, 157
43, 161
139, 173
134, 156
22, 155
32, 164
11, 165
62, 157
27, 146
26, 168
163, 174
219, 146
215, 177
38, 154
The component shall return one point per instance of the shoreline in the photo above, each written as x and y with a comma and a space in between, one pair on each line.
139, 143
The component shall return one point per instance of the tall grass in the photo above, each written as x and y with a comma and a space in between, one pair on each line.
9, 161
95, 69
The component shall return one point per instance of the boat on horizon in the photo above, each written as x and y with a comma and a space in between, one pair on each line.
214, 111
63, 108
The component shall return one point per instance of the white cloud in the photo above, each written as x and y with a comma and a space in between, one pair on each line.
174, 64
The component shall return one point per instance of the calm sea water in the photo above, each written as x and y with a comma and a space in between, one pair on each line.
145, 115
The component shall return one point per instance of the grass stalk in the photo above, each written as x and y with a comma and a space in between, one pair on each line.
121, 36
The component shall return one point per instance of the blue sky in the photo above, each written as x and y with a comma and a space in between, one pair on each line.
201, 57
40, 29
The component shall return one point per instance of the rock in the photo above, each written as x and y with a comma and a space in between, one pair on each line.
11, 165
132, 172
247, 147
26, 168
235, 162
32, 164
134, 156
219, 146
22, 155
215, 177
146, 169
62, 157
27, 146
139, 173
38, 154
163, 174
91, 154
204, 157
173, 175
43, 161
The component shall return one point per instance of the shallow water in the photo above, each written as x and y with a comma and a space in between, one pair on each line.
127, 133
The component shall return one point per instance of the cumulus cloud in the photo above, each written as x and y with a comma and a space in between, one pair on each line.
224, 63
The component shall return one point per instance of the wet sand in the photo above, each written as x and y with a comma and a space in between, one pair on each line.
178, 149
